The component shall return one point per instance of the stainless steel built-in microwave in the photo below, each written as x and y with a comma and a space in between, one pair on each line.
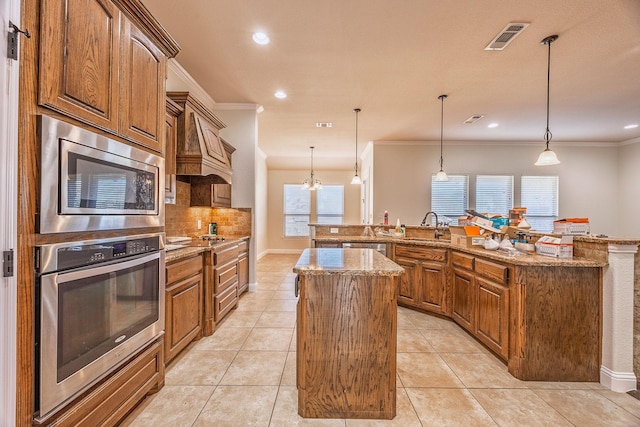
91, 182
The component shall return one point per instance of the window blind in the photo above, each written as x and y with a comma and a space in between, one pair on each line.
330, 204
494, 193
297, 210
450, 198
539, 194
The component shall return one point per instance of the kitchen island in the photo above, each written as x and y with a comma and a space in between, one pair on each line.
346, 334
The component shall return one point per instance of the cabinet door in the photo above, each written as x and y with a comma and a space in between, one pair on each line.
463, 299
170, 158
79, 60
432, 292
493, 316
142, 89
183, 314
221, 196
409, 280
243, 273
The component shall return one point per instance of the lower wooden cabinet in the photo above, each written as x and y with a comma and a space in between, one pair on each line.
243, 267
221, 284
424, 283
183, 305
481, 300
107, 403
463, 312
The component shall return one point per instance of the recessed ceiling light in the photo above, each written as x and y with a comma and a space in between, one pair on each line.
324, 124
493, 125
633, 126
280, 94
261, 38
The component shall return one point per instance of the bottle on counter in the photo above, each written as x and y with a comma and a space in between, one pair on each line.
386, 218
403, 229
398, 229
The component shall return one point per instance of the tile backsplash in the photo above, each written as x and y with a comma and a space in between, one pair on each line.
182, 219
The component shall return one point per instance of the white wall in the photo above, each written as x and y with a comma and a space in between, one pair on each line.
588, 177
261, 213
629, 189
275, 212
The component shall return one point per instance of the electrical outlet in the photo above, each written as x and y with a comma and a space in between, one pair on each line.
199, 224
333, 230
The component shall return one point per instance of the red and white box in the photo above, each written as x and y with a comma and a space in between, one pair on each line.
555, 247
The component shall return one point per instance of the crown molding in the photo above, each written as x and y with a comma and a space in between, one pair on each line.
193, 87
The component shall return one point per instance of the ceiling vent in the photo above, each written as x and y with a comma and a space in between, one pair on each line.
474, 118
506, 36
324, 124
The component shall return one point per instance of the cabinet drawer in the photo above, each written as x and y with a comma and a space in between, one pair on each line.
490, 270
421, 253
225, 255
225, 276
225, 302
184, 268
462, 260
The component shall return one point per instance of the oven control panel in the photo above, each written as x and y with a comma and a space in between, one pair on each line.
77, 254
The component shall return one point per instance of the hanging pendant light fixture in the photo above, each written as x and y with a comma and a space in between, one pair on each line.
311, 183
356, 179
441, 175
548, 157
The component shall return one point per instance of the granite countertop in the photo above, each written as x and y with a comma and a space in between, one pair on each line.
198, 246
353, 262
520, 259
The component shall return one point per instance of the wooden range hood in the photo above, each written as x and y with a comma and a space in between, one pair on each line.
200, 151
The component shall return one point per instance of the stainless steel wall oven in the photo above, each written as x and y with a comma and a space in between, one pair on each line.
97, 303
91, 182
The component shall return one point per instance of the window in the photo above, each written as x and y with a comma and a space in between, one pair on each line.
330, 204
450, 198
297, 210
494, 193
540, 197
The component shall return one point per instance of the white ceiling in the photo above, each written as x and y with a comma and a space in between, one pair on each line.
393, 58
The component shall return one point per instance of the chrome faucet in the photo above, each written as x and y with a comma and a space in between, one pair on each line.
437, 232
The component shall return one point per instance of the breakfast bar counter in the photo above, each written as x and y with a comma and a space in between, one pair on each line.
346, 333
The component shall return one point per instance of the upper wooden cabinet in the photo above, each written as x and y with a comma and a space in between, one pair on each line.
173, 110
104, 63
79, 60
142, 88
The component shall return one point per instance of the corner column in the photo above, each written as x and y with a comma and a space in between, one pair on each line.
616, 371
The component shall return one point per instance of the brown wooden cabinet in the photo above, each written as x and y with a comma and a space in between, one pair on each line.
80, 60
107, 403
243, 266
143, 69
183, 304
221, 284
204, 193
481, 300
173, 110
424, 284
98, 66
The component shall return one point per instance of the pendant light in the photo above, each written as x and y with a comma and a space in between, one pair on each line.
356, 179
441, 175
311, 183
548, 157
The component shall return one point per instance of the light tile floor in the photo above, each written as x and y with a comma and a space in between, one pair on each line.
244, 375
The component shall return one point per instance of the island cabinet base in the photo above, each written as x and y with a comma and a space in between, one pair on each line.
346, 346
555, 331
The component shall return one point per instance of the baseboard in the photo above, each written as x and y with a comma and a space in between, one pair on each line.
620, 382
280, 251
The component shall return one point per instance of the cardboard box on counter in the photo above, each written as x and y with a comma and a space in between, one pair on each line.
555, 247
467, 236
571, 226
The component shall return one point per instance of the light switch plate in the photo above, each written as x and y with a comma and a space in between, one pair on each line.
333, 230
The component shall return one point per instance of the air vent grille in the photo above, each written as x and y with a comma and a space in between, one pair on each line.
324, 124
506, 36
474, 118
